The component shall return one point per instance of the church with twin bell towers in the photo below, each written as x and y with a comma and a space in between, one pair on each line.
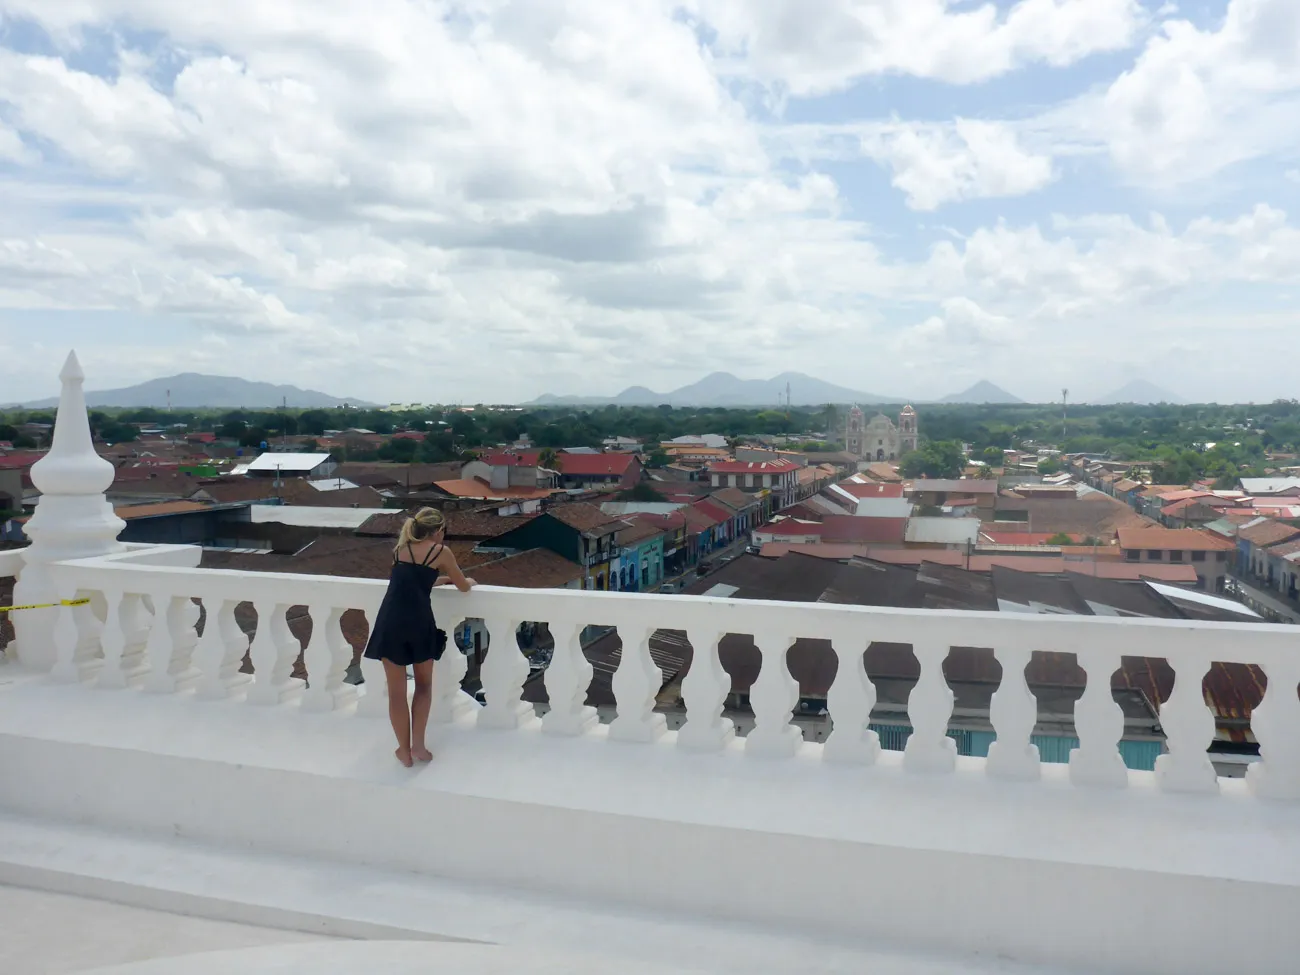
879, 439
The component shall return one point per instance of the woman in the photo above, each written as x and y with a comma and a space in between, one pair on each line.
405, 633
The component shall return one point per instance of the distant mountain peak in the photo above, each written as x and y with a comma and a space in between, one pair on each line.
982, 392
193, 390
1139, 392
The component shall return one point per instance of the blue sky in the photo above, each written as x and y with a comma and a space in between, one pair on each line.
490, 199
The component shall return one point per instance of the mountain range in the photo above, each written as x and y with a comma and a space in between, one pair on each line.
1139, 392
724, 389
193, 390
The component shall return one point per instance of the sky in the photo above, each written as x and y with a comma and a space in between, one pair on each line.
485, 200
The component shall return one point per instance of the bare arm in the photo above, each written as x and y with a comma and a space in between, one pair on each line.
446, 564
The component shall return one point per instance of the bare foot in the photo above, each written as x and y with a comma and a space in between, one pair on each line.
422, 754
404, 756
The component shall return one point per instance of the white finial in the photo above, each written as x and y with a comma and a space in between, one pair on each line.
72, 467
73, 519
71, 371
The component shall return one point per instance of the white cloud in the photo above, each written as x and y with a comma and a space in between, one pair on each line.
1101, 262
510, 194
961, 323
816, 46
1198, 100
969, 159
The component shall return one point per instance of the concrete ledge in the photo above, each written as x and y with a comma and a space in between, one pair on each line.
1131, 882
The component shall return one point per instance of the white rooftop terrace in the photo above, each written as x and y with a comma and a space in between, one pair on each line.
140, 766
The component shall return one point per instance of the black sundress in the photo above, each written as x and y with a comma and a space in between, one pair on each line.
405, 631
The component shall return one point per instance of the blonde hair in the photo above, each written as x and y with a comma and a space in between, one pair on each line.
424, 524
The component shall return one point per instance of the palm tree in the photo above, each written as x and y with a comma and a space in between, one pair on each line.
830, 417
549, 459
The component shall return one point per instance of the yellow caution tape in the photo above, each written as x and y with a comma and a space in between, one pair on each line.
61, 602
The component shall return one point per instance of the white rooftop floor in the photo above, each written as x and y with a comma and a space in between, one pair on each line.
57, 934
500, 822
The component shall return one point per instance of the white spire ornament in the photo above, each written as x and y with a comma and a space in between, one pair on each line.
73, 519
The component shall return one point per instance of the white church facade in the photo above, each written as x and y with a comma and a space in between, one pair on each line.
880, 439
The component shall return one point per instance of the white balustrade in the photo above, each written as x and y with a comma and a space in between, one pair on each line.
327, 658
171, 643
273, 652
1189, 729
1013, 712
503, 674
101, 639
449, 701
112, 642
850, 699
636, 684
704, 691
126, 629
773, 698
929, 749
77, 633
568, 678
1099, 723
1276, 726
220, 652
374, 688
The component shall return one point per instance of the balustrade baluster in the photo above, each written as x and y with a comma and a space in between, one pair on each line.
568, 677
1189, 729
137, 616
220, 652
503, 674
636, 685
171, 645
773, 698
850, 699
273, 652
77, 634
928, 748
1099, 723
704, 691
112, 641
1276, 726
449, 701
1013, 712
326, 658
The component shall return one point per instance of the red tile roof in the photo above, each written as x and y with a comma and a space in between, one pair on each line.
585, 517
595, 465
537, 568
474, 488
1268, 533
851, 528
669, 522
718, 513
130, 511
1173, 539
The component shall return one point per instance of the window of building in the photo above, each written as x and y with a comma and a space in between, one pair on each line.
1155, 555
1220, 556
1198, 556
1132, 554
1175, 556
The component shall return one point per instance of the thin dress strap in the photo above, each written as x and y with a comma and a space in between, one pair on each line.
432, 554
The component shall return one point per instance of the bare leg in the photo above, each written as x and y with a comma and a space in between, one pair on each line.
398, 712
421, 701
